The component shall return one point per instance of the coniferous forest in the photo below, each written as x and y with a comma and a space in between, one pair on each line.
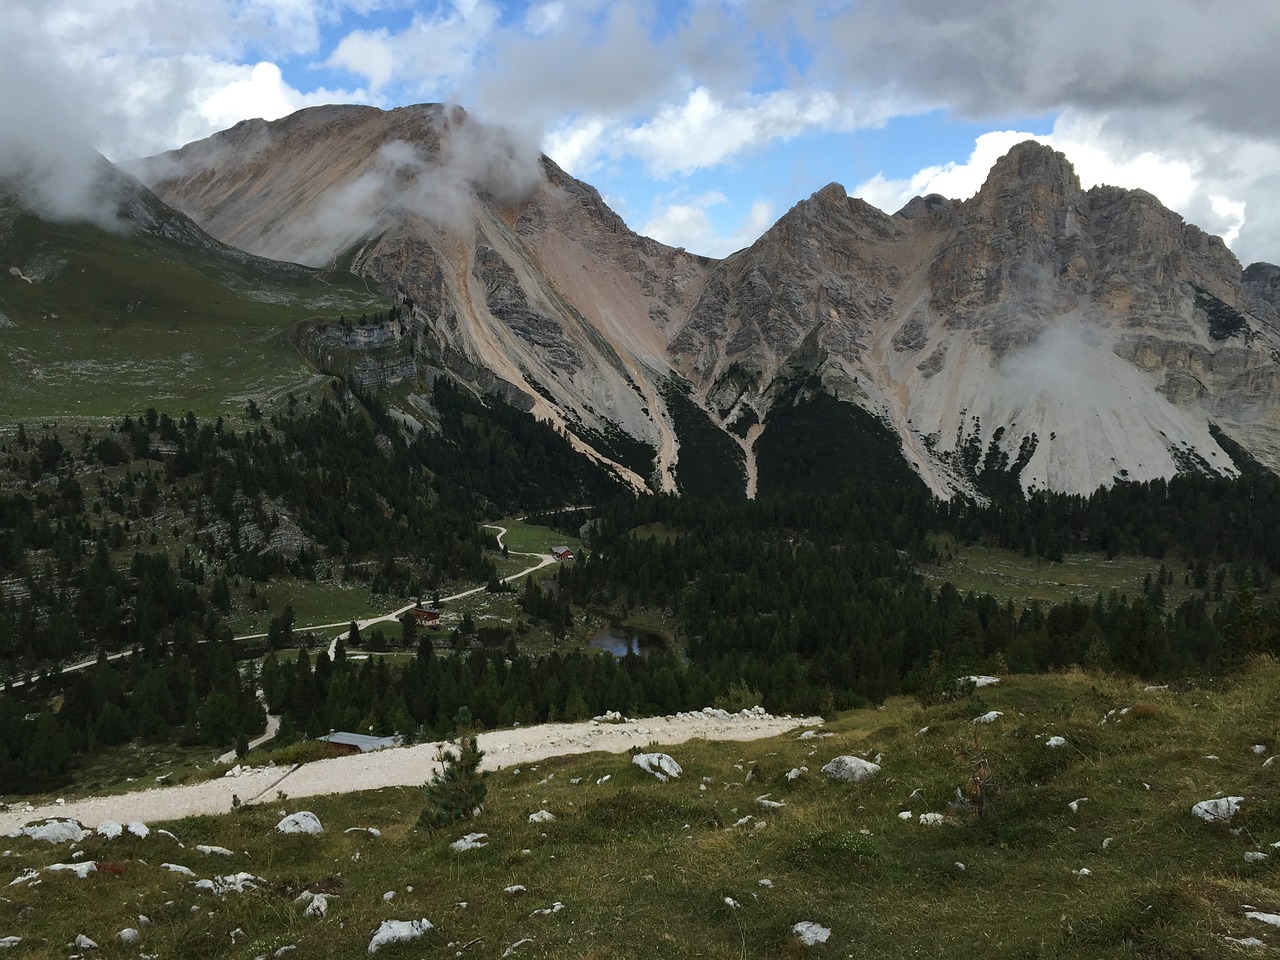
127, 545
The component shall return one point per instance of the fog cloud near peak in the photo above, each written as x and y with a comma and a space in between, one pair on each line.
471, 162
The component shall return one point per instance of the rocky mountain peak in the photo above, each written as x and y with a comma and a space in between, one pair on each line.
1031, 163
1077, 337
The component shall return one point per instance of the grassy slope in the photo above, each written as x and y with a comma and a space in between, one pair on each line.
139, 324
643, 868
1008, 575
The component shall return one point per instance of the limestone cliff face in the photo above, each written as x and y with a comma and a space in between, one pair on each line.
512, 266
1091, 335
1085, 335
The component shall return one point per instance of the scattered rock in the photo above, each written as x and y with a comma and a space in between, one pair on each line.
796, 772
811, 933
1245, 941
388, 896
542, 816
514, 889
1255, 856
7, 942
556, 907
1218, 809
318, 907
905, 815
850, 769
930, 819
1083, 872
371, 831
397, 931
109, 829
768, 804
216, 851
659, 764
179, 868
1055, 742
1074, 805
516, 946
302, 822
989, 717
53, 831
766, 882
84, 943
1269, 918
732, 904
129, 935
81, 870
233, 883
977, 681
138, 829
472, 841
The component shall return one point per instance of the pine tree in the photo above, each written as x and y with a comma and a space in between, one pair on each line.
457, 791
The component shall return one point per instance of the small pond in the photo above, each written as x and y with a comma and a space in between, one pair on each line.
621, 641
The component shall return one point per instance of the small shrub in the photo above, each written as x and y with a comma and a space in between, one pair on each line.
457, 791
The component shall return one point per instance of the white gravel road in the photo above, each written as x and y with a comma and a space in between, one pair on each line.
404, 766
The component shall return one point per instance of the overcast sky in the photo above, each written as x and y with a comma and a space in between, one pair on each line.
702, 122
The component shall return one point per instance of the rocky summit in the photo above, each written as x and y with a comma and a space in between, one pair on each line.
1056, 337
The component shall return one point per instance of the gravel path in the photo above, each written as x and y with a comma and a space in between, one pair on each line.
404, 766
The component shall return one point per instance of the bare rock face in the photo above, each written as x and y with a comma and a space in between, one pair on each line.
1079, 337
512, 267
1073, 337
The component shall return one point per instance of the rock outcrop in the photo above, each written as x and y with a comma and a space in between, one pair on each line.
1068, 338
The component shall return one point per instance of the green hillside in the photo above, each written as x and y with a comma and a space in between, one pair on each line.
645, 869
96, 324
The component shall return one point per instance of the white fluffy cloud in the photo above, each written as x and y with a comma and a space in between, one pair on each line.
1170, 95
689, 224
1180, 180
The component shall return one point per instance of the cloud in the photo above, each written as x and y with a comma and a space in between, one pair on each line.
473, 159
689, 224
434, 55
1180, 180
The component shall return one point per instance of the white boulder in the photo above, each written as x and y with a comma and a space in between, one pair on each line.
53, 831
81, 870
472, 841
542, 816
398, 931
989, 717
850, 769
1055, 742
302, 822
660, 765
129, 935
810, 933
1217, 809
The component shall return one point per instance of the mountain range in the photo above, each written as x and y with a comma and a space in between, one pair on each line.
1037, 333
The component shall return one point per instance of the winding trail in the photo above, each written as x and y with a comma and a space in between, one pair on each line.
545, 560
403, 766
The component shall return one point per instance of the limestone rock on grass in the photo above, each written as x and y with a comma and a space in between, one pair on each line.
302, 822
811, 933
397, 931
850, 769
660, 765
1218, 809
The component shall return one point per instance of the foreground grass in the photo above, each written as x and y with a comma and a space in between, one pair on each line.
643, 869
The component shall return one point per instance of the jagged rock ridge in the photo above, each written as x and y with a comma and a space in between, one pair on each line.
1076, 336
